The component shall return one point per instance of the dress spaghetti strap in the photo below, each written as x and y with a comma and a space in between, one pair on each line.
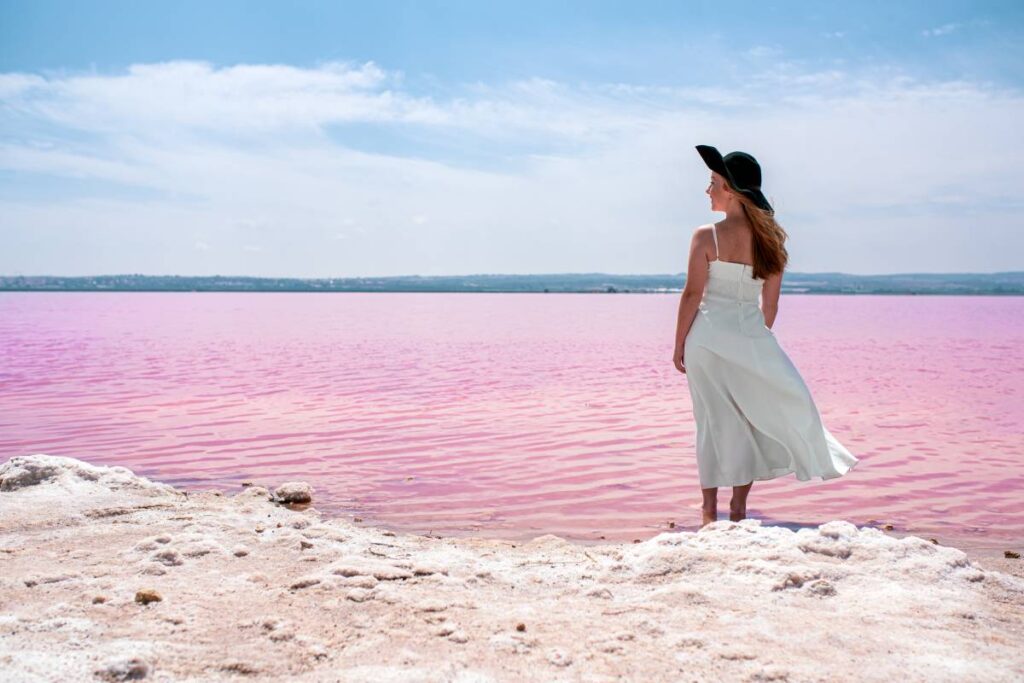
714, 233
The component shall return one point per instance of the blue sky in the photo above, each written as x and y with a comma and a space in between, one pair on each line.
338, 139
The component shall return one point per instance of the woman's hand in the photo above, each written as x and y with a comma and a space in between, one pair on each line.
677, 359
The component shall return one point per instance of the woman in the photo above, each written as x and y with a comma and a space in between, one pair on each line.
755, 416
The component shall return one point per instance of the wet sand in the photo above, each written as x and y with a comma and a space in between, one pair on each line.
105, 575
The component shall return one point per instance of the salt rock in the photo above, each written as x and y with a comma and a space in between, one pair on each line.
168, 557
124, 670
547, 541
426, 569
146, 596
294, 492
358, 581
202, 547
378, 570
23, 471
821, 587
254, 492
359, 595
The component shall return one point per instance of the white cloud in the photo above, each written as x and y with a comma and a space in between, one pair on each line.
764, 51
940, 30
192, 95
862, 166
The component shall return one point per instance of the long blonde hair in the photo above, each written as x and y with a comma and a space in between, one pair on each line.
770, 254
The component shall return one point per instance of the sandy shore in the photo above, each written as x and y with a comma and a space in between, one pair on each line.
105, 575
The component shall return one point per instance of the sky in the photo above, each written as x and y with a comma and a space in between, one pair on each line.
342, 139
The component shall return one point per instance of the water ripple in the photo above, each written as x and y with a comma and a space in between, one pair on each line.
513, 415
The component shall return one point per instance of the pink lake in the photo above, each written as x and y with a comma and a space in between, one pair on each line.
514, 415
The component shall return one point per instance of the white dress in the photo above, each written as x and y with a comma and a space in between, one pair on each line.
754, 414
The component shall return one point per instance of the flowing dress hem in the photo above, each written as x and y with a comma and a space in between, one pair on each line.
781, 472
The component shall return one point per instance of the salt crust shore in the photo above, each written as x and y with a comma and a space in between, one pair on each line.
253, 590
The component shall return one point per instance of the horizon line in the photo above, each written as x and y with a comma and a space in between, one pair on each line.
545, 274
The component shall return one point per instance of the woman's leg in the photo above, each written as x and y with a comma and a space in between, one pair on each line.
738, 504
710, 506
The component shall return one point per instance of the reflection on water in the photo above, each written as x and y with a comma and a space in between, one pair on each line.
514, 415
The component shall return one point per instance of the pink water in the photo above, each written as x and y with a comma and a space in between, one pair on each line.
514, 415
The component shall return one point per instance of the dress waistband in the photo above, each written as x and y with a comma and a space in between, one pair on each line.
730, 299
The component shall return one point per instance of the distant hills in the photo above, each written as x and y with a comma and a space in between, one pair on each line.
1010, 283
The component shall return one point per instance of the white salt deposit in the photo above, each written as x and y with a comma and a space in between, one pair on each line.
105, 575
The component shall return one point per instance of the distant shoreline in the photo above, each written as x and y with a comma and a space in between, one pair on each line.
400, 291
1009, 283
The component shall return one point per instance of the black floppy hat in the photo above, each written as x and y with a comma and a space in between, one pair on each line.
740, 169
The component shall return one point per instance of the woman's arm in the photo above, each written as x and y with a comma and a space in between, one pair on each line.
770, 291
696, 278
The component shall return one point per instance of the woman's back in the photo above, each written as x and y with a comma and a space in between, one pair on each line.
734, 243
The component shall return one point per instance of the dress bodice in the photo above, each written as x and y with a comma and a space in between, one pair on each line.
733, 281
